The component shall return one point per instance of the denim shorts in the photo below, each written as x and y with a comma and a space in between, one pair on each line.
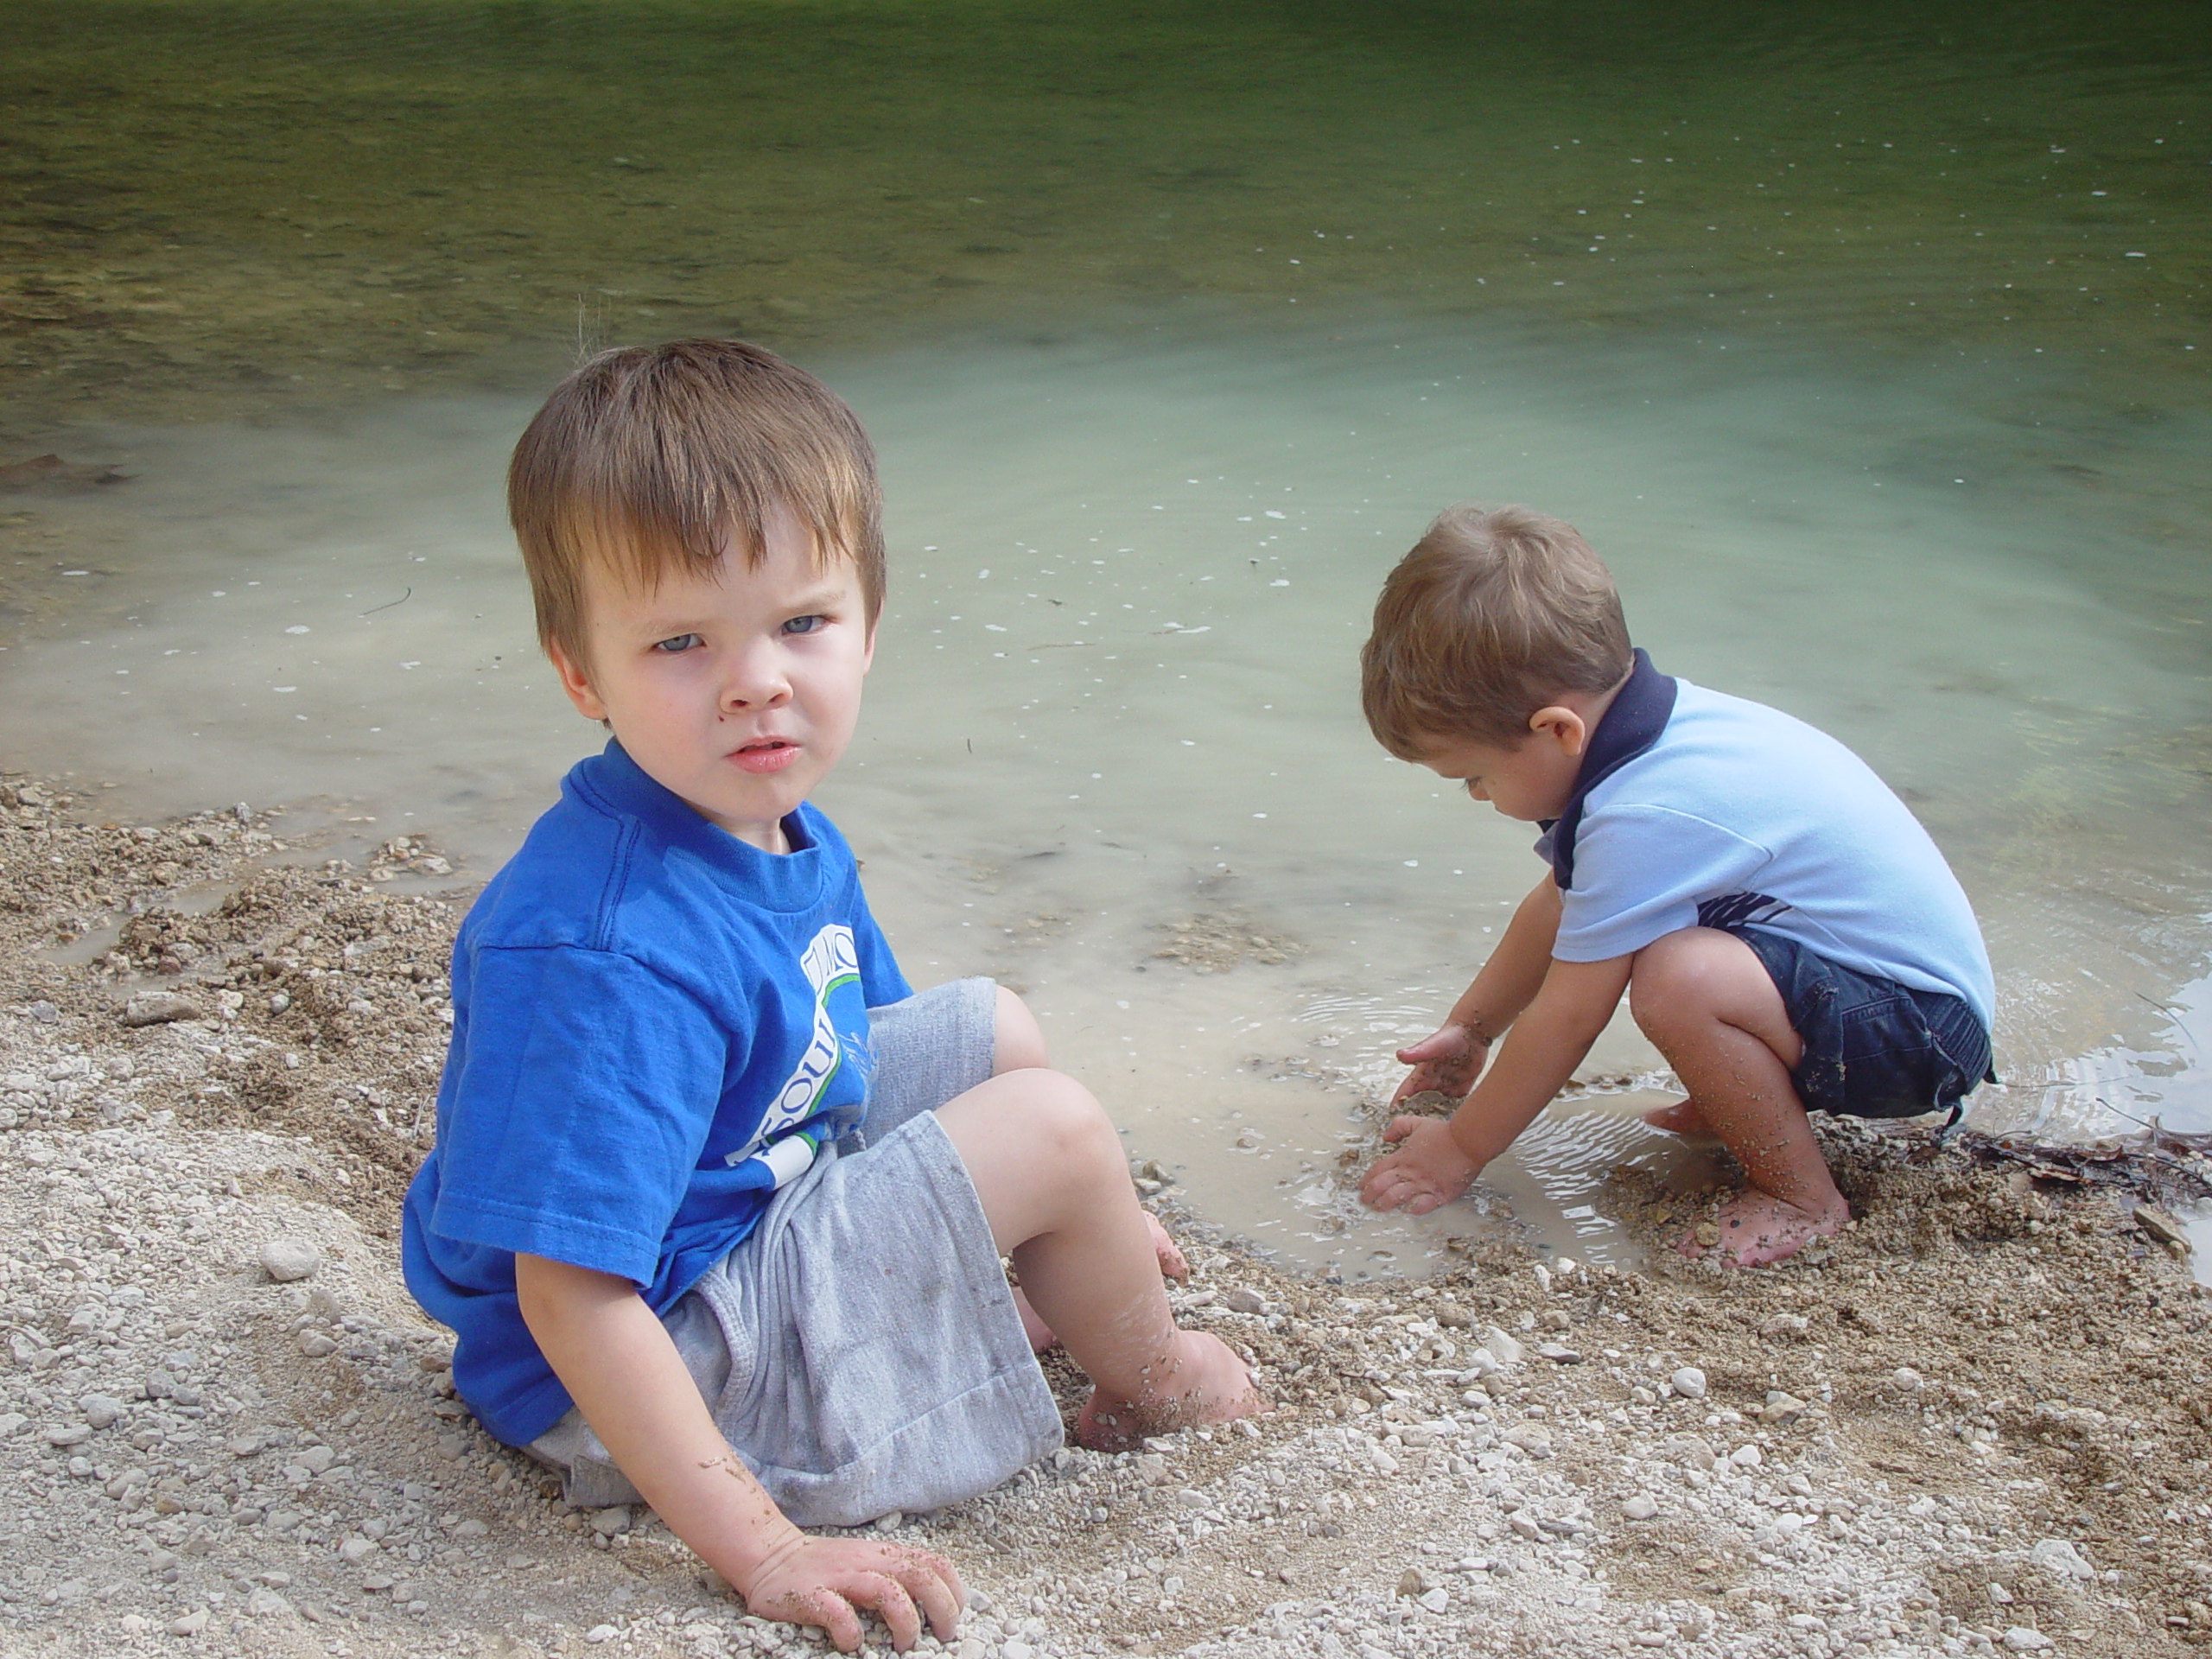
1873, 1048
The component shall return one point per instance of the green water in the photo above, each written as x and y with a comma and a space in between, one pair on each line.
1868, 347
204, 201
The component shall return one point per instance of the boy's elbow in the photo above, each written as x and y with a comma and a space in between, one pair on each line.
552, 1294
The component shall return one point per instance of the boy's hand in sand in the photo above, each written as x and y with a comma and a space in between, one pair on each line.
825, 1582
1426, 1170
1447, 1060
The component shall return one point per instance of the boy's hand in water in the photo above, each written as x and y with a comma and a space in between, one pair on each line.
1426, 1170
1447, 1060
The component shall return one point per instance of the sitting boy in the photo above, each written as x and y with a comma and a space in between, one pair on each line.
1787, 934
716, 1206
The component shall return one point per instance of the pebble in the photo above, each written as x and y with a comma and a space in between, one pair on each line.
2061, 1559
1905, 1377
1781, 1409
2020, 1639
1503, 1349
1559, 1353
316, 1345
1436, 1600
1639, 1507
1786, 1327
287, 1258
1532, 1438
598, 1633
1747, 1457
68, 1434
1689, 1382
191, 1625
1242, 1299
100, 1410
158, 1008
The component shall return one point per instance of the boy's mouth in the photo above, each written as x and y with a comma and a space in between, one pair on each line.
769, 754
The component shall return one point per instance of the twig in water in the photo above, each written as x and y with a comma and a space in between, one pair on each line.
387, 604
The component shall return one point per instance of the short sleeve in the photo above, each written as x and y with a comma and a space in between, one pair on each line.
1640, 873
881, 983
578, 1101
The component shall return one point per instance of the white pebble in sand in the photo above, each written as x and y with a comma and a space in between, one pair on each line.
287, 1258
1639, 1507
1689, 1382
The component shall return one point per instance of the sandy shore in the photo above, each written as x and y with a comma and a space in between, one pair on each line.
1976, 1421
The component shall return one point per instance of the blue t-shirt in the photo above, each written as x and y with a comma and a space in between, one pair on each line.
1697, 809
655, 1026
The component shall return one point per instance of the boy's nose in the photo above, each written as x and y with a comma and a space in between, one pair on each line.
755, 680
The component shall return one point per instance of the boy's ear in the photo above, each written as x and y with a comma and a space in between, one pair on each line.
1563, 726
575, 683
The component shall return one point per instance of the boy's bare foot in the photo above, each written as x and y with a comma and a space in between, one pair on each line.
1682, 1118
1172, 1266
1758, 1228
1210, 1385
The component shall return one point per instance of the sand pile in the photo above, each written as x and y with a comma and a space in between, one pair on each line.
1977, 1421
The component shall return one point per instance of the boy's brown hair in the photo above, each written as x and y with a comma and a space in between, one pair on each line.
1492, 614
649, 457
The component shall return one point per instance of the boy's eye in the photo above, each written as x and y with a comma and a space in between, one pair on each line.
679, 642
804, 624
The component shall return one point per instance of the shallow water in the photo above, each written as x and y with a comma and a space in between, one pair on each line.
1144, 482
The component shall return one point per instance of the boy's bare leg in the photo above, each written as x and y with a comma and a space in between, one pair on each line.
1705, 1000
1017, 1044
1050, 1171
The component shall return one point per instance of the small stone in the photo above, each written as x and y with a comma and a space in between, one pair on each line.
68, 1434
1781, 1409
265, 1603
1786, 1327
1242, 1299
1688, 1381
1152, 1468
100, 1410
375, 1581
316, 1345
45, 1014
2020, 1639
2062, 1559
1905, 1377
895, 1519
10, 1421
1747, 1457
1559, 1353
1416, 1582
611, 1521
1504, 1349
598, 1633
358, 1549
287, 1258
471, 1527
1639, 1507
2000, 1595
1451, 1316
1706, 1234
278, 1001
158, 1008
191, 1625
1524, 1522
1532, 1438
2163, 1227
1436, 1600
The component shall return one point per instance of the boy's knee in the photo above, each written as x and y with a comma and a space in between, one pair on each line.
1676, 976
1017, 1040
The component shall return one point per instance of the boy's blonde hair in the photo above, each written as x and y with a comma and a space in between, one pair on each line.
652, 458
1491, 615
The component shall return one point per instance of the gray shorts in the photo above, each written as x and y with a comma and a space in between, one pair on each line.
860, 1349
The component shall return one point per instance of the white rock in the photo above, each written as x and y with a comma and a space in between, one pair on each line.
1436, 1600
598, 1633
287, 1258
191, 1625
100, 1409
1747, 1457
1689, 1382
2020, 1639
1503, 1349
316, 1345
1532, 1438
2061, 1559
1905, 1377
1639, 1507
158, 1009
357, 1548
1242, 1299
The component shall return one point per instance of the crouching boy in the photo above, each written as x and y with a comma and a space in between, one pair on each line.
717, 1205
1787, 934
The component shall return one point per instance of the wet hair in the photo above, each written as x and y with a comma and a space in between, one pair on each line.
649, 459
1493, 613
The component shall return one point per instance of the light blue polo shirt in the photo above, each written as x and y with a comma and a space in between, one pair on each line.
1711, 811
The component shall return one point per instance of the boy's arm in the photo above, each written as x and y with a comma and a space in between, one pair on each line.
1451, 1058
1437, 1160
620, 1365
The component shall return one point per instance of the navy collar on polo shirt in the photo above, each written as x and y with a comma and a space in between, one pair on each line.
1630, 725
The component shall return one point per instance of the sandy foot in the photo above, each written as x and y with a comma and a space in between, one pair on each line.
1755, 1229
1212, 1385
